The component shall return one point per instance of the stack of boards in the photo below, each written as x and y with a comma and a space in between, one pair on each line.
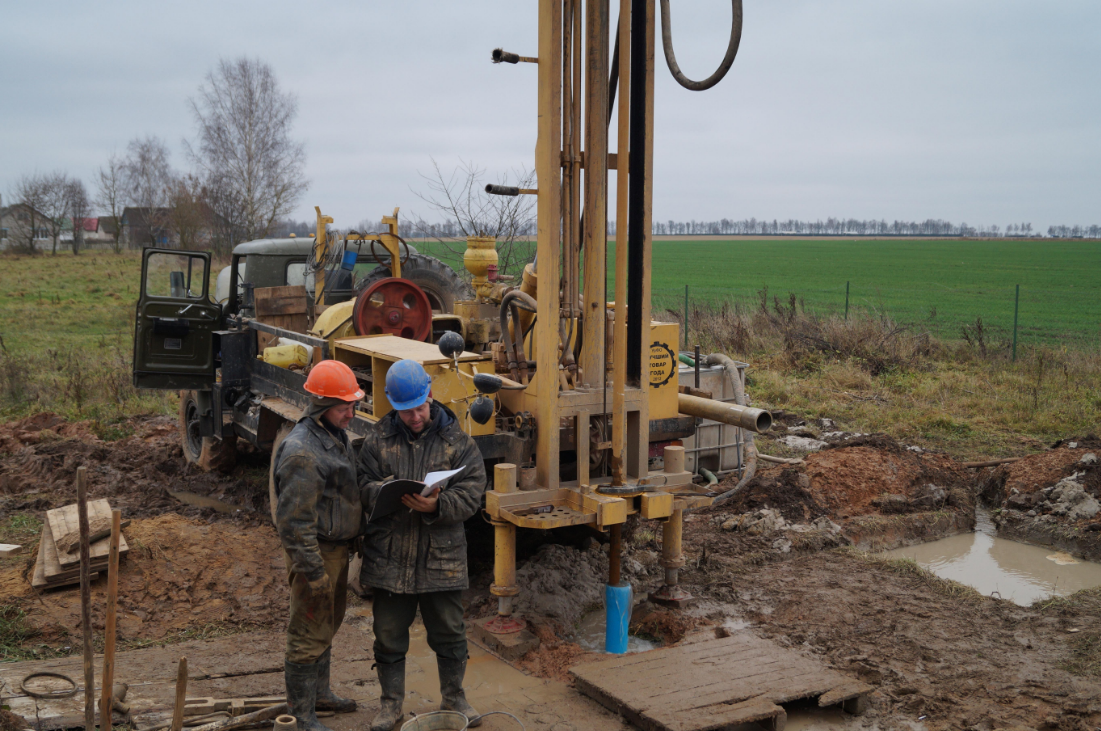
58, 561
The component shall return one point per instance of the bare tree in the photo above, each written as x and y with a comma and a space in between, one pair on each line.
55, 204
188, 212
78, 206
462, 199
148, 178
244, 148
111, 195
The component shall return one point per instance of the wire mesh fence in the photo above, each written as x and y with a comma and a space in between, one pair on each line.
1034, 317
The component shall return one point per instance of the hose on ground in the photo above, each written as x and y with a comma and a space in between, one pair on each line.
749, 449
728, 59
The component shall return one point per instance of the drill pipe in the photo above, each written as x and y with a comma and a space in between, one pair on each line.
757, 420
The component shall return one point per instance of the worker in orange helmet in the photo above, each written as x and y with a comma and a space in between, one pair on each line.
318, 515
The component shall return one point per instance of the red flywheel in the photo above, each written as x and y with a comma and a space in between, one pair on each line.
393, 306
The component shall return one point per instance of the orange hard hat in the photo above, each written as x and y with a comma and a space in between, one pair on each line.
333, 379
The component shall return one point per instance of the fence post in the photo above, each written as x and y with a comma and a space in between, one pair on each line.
1016, 307
686, 317
846, 301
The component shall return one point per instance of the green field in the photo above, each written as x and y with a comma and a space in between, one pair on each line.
940, 284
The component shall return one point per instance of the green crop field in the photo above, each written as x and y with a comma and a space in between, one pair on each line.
942, 285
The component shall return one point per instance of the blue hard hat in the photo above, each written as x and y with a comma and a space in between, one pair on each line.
407, 385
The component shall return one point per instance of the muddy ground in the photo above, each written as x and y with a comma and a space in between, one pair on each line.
786, 555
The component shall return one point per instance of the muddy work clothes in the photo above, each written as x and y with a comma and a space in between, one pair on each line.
318, 494
317, 516
408, 552
315, 617
442, 612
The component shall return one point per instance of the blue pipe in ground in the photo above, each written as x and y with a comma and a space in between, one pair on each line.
617, 606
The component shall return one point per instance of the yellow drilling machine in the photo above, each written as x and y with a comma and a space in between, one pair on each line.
579, 401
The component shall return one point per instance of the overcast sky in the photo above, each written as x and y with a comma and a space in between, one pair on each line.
982, 111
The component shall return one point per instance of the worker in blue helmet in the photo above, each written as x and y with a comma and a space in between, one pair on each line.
417, 557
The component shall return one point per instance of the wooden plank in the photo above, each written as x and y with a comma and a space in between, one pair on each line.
9, 549
393, 348
98, 529
285, 300
712, 684
845, 692
39, 580
63, 522
283, 307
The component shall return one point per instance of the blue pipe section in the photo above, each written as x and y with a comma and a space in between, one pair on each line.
617, 605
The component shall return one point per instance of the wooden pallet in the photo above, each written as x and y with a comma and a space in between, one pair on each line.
714, 684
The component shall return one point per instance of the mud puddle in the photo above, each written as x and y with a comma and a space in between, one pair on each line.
590, 635
995, 566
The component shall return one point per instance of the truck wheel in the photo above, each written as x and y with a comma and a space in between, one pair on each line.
440, 282
280, 435
206, 453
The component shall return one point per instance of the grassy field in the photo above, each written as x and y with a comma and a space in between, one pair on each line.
943, 285
66, 324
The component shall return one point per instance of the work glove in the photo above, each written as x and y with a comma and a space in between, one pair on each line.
319, 589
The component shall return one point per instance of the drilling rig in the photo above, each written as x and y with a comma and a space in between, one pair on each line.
575, 396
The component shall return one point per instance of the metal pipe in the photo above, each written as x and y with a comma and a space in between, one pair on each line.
757, 420
595, 227
619, 344
672, 555
614, 554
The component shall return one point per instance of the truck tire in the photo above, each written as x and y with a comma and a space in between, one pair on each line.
440, 282
206, 453
280, 435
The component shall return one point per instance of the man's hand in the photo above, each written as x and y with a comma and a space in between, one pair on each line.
319, 588
421, 504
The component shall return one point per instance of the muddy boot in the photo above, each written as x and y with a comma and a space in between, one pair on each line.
302, 695
327, 700
391, 678
451, 688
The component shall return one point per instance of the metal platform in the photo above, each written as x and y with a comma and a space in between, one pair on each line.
714, 684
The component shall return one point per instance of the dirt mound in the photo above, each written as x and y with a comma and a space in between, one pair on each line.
853, 478
1035, 472
562, 583
786, 492
39, 457
180, 574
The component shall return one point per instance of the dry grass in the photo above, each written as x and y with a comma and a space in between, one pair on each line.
871, 374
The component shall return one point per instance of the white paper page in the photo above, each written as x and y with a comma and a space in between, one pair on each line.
437, 478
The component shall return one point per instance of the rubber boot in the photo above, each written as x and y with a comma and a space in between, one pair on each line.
302, 695
327, 700
391, 678
451, 689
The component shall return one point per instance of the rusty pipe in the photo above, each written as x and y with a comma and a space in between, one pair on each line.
757, 420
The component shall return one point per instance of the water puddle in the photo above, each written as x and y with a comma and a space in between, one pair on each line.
995, 566
590, 635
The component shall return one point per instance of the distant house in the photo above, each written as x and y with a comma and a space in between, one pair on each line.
89, 230
147, 227
15, 227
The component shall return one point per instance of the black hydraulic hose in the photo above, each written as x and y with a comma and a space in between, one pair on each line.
728, 60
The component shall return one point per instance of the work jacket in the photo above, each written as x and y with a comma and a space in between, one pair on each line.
319, 497
408, 552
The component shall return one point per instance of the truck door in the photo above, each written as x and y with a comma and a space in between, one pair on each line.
175, 323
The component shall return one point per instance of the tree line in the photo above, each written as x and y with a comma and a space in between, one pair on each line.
245, 176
